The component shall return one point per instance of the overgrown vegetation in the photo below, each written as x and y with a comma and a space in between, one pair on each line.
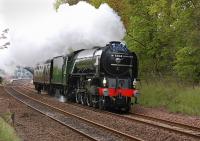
173, 97
7, 133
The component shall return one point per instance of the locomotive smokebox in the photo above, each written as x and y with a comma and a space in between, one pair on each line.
116, 59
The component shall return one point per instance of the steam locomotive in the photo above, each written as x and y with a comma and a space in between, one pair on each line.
103, 77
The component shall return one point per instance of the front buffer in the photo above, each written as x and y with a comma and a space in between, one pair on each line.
119, 98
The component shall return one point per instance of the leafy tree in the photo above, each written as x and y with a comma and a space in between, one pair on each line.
70, 2
160, 30
188, 64
150, 35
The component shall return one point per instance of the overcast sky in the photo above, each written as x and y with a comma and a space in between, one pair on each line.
18, 11
18, 14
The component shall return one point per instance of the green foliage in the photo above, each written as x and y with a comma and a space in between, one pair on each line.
58, 3
7, 133
150, 25
174, 98
188, 63
70, 2
159, 30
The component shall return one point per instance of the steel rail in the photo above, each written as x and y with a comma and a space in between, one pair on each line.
170, 126
159, 123
84, 119
184, 129
82, 133
173, 123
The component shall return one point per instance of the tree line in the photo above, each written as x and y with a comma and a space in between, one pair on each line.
165, 34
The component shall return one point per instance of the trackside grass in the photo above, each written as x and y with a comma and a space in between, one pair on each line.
174, 98
7, 133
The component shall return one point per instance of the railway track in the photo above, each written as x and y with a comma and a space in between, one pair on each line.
87, 128
152, 121
156, 122
167, 125
167, 121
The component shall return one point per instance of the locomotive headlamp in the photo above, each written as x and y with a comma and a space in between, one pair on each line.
104, 81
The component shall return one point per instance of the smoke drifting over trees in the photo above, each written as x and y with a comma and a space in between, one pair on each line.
47, 33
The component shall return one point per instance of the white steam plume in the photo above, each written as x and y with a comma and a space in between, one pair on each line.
37, 38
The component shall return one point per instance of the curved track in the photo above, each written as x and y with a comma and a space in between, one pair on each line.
89, 129
152, 121
156, 122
